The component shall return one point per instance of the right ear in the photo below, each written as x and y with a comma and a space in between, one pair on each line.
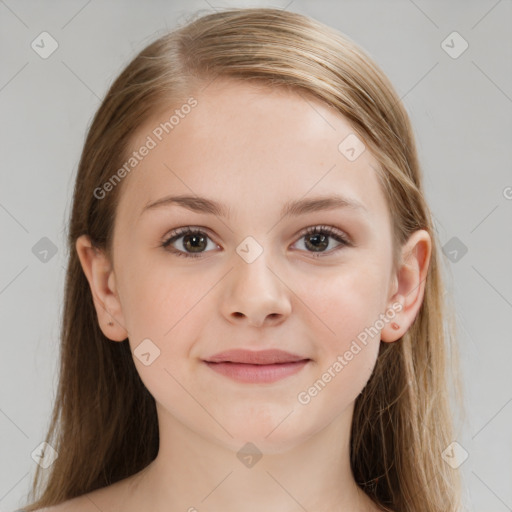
100, 274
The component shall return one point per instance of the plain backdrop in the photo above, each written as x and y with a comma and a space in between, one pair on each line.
460, 104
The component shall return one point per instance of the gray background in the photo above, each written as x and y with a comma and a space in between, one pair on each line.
460, 108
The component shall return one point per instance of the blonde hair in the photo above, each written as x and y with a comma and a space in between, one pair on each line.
402, 419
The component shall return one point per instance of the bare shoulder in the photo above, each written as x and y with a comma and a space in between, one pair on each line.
105, 499
79, 504
117, 497
73, 505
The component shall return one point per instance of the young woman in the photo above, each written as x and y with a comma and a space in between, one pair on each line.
254, 307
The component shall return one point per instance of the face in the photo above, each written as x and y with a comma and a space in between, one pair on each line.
253, 278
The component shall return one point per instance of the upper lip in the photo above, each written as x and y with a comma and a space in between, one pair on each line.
271, 356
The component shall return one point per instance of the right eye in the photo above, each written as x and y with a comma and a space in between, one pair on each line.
193, 240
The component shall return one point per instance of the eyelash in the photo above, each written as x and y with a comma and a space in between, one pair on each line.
330, 231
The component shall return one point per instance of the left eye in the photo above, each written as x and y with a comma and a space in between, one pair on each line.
318, 237
196, 241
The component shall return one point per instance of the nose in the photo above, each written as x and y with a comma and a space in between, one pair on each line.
256, 294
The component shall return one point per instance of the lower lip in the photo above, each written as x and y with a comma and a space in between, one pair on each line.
257, 373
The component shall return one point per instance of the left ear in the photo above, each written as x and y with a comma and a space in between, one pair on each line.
409, 284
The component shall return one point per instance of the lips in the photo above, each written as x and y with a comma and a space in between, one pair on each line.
262, 357
261, 367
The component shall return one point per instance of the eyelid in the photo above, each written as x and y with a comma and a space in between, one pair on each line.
325, 228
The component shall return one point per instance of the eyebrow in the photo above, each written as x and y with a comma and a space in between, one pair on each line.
294, 207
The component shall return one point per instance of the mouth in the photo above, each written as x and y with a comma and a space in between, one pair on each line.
265, 366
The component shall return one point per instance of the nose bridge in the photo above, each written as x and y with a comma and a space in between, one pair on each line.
253, 268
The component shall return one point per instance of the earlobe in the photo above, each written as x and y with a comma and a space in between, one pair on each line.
409, 285
100, 275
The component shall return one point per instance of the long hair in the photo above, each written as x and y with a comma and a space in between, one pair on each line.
403, 417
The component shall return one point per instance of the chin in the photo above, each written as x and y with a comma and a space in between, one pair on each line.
269, 438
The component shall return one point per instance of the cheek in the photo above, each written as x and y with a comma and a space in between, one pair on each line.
350, 305
347, 349
156, 297
164, 310
346, 303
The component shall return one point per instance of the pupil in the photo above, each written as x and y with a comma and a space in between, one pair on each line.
318, 237
196, 238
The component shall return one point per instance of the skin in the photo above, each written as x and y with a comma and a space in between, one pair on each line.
251, 149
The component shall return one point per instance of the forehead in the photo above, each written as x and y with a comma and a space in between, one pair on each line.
250, 147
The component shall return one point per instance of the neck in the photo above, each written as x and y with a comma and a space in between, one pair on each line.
193, 474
